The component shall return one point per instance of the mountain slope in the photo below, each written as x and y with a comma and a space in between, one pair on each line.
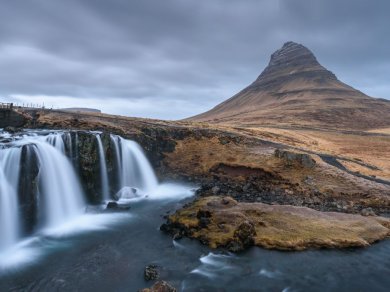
294, 89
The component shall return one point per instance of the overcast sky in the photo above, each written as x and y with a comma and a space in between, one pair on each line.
172, 59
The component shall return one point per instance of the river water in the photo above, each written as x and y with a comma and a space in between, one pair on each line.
108, 252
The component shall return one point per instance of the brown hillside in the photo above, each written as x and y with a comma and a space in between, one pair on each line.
294, 89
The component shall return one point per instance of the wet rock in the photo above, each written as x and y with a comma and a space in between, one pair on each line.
11, 130
114, 206
128, 193
28, 190
151, 272
160, 286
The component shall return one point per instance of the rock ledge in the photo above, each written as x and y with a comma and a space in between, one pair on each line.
223, 222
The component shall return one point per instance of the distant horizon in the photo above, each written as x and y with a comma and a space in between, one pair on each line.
173, 60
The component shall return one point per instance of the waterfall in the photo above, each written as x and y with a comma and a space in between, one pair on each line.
9, 178
56, 195
69, 145
59, 193
57, 141
134, 168
118, 158
59, 189
103, 169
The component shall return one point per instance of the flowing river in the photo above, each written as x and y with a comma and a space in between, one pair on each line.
75, 246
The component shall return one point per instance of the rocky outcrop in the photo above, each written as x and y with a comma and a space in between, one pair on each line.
86, 157
11, 118
291, 158
289, 61
28, 189
236, 226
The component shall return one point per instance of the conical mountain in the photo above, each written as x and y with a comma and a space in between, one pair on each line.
296, 90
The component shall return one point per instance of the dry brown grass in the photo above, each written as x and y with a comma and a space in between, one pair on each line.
358, 147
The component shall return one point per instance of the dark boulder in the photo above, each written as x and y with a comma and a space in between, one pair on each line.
114, 206
151, 272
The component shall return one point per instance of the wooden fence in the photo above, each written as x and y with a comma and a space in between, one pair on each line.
6, 106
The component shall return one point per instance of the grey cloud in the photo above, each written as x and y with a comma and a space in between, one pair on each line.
175, 53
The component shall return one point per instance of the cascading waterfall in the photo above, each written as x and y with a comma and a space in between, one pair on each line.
103, 169
56, 192
118, 158
59, 189
134, 168
59, 193
9, 178
57, 141
68, 142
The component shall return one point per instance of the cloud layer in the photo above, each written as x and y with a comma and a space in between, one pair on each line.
174, 58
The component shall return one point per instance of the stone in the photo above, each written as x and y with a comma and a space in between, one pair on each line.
243, 237
128, 193
215, 190
367, 212
303, 159
11, 130
151, 272
160, 286
114, 206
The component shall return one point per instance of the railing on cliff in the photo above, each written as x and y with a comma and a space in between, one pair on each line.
6, 106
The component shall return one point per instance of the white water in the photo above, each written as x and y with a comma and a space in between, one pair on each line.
61, 205
115, 142
135, 170
9, 215
103, 169
59, 189
216, 265
57, 141
60, 197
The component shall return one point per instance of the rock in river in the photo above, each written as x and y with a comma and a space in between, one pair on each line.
236, 226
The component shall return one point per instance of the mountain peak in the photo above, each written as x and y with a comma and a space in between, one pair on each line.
291, 60
293, 52
294, 89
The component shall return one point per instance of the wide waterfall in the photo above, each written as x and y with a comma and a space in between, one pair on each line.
135, 170
54, 192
